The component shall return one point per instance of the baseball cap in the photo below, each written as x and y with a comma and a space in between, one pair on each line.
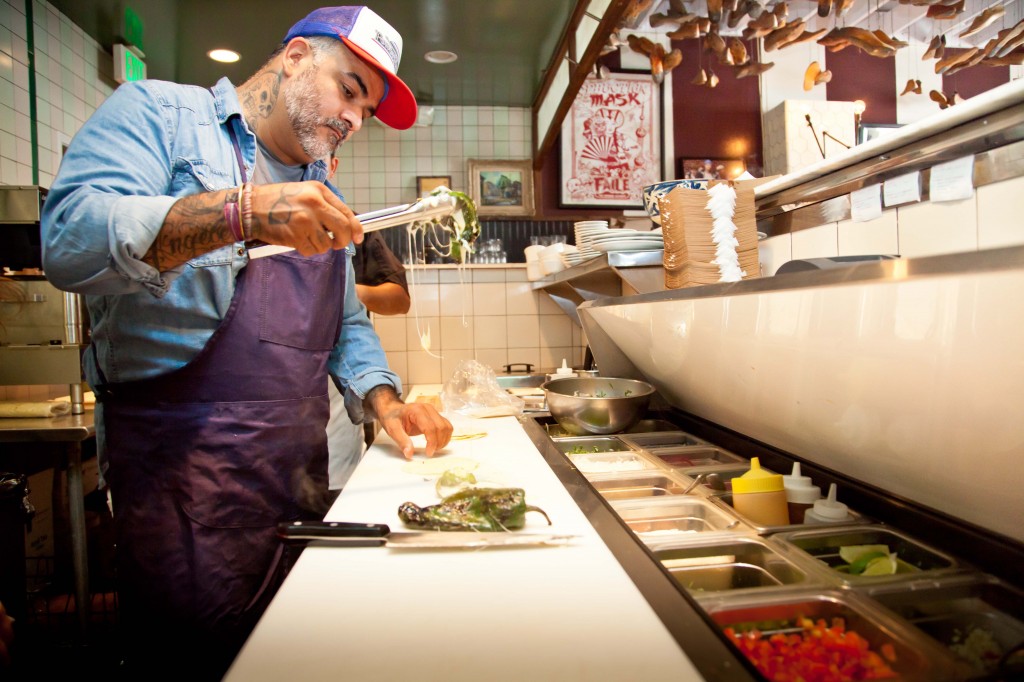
377, 43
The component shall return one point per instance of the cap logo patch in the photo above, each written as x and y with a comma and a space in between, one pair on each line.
390, 48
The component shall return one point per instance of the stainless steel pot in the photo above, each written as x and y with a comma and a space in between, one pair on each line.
598, 405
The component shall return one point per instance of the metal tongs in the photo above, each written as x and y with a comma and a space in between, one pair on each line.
427, 207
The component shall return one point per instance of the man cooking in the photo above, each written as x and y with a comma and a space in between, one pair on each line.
210, 367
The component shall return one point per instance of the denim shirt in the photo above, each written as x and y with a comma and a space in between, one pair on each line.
149, 144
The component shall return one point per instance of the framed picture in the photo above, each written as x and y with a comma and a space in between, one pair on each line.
501, 188
612, 142
869, 131
711, 169
425, 184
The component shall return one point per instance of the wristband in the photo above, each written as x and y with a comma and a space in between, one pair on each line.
245, 209
231, 217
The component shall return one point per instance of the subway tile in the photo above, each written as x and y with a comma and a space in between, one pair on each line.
488, 275
1000, 207
8, 147
520, 298
19, 49
551, 358
456, 333
391, 331
523, 331
495, 358
450, 361
490, 331
423, 368
816, 242
932, 228
488, 298
547, 306
398, 363
530, 355
425, 299
879, 236
24, 151
555, 330
418, 330
456, 299
8, 171
422, 276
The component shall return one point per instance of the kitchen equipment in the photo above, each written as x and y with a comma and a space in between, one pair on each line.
427, 207
597, 405
828, 510
42, 330
380, 535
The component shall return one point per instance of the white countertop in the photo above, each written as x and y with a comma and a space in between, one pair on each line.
546, 613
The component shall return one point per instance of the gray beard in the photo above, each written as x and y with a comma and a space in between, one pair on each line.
303, 106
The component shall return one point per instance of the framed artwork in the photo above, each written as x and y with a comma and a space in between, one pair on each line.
501, 187
425, 184
869, 131
711, 169
612, 142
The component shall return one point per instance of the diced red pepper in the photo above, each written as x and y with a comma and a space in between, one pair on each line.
819, 653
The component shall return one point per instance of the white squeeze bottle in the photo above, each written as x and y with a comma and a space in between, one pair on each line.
801, 494
828, 510
562, 372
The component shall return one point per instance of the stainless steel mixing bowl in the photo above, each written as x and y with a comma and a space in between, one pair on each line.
597, 404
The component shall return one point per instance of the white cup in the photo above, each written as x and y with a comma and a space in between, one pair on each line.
533, 253
534, 271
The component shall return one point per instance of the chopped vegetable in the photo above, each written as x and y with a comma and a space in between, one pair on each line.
480, 509
979, 648
582, 450
817, 653
454, 480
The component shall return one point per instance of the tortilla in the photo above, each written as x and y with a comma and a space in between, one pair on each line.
435, 466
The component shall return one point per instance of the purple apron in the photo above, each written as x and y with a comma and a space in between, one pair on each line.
204, 461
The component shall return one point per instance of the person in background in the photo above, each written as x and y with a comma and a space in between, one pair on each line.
209, 365
6, 637
382, 288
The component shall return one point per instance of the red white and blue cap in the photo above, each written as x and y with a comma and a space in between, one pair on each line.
377, 43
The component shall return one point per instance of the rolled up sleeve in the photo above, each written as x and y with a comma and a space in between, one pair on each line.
358, 361
109, 199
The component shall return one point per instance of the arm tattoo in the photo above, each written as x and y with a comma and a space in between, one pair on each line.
195, 225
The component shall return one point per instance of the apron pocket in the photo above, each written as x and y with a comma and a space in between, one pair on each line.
315, 284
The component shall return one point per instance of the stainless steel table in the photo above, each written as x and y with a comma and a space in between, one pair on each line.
71, 430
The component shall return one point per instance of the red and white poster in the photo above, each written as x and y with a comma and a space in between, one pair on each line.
611, 142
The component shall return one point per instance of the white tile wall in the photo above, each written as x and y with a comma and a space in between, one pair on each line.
492, 316
989, 219
378, 167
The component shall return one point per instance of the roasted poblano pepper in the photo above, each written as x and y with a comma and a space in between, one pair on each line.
479, 509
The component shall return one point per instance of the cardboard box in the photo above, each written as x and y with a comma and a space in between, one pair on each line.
39, 540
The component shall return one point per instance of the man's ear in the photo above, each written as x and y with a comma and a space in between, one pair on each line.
295, 53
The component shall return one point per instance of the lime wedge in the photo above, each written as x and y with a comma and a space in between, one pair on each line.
850, 553
860, 563
885, 565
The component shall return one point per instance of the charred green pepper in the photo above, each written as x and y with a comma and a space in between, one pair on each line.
479, 509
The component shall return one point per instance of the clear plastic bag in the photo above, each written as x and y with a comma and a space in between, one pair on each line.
473, 391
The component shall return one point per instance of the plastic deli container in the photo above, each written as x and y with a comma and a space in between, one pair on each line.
674, 517
978, 618
908, 559
731, 564
904, 650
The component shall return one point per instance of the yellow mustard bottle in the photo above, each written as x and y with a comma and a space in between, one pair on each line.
760, 496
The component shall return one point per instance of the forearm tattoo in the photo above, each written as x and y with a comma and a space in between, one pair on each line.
195, 225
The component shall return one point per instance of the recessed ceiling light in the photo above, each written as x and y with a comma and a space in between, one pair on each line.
226, 56
440, 57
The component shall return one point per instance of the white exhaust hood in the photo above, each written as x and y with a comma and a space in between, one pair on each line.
907, 375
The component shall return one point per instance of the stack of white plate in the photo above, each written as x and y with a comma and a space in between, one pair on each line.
627, 240
586, 230
572, 256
